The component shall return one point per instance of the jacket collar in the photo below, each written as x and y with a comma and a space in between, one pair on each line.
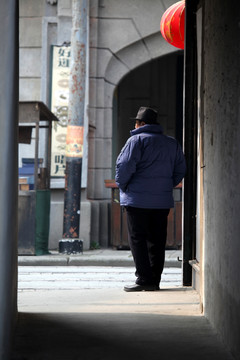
148, 128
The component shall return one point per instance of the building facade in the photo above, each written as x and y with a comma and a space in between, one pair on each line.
129, 64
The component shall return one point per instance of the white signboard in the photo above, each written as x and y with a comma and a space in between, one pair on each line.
59, 106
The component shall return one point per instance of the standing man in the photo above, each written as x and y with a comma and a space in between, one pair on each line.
149, 166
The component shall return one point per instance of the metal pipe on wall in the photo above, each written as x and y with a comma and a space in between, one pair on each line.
9, 99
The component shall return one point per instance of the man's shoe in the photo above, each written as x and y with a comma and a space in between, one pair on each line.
137, 287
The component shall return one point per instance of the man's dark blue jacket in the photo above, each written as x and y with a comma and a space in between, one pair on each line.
149, 166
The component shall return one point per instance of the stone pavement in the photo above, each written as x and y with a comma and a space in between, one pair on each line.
101, 257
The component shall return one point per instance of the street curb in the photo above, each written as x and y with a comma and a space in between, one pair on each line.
51, 260
98, 257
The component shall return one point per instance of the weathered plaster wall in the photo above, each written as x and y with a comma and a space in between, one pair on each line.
221, 105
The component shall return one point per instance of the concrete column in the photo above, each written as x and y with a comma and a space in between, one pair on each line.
8, 173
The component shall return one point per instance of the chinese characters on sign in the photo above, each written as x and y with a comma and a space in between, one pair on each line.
59, 106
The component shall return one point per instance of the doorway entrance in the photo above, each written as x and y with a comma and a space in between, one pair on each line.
159, 84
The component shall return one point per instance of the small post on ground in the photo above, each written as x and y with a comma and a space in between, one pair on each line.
70, 243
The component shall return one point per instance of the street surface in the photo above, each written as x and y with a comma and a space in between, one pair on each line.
90, 289
85, 277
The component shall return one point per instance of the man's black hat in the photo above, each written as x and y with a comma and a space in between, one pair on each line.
146, 114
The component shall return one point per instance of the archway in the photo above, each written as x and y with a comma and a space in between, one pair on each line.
157, 83
151, 55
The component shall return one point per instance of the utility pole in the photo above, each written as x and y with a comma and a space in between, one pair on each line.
70, 243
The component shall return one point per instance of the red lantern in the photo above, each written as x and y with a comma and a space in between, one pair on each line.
172, 24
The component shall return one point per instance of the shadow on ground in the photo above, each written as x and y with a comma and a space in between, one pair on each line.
113, 336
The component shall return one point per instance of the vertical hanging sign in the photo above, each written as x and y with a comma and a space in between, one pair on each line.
59, 106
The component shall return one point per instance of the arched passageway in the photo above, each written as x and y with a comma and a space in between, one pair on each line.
157, 83
127, 72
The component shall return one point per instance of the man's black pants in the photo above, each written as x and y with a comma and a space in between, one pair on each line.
147, 232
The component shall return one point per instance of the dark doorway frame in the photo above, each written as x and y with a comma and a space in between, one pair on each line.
190, 129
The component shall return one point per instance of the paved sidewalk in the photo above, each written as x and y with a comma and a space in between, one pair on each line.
59, 319
101, 257
110, 324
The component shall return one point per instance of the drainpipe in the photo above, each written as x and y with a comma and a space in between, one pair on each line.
70, 242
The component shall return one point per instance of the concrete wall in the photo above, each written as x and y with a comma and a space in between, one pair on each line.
221, 154
31, 37
56, 223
